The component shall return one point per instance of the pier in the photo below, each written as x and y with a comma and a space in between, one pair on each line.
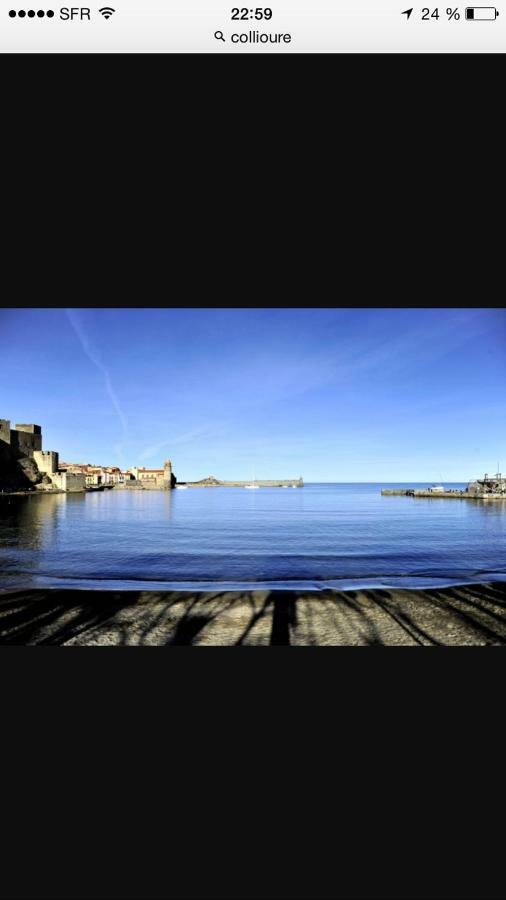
490, 487
406, 492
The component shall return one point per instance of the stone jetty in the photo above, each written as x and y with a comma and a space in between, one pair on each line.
490, 487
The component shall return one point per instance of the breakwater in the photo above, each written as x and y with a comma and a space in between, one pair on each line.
215, 482
448, 495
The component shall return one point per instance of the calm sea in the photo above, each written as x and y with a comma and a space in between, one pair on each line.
318, 536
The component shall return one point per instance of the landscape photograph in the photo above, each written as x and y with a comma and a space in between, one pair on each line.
253, 477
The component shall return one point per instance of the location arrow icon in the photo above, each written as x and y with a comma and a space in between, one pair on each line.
407, 12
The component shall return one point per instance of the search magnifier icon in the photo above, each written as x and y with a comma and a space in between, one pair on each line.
219, 36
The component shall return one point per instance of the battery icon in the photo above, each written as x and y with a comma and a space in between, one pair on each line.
481, 13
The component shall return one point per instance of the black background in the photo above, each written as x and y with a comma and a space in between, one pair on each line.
275, 772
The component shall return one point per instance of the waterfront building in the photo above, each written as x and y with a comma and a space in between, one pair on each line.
154, 478
93, 477
111, 474
96, 475
80, 468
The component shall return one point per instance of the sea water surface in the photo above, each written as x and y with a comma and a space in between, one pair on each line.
318, 536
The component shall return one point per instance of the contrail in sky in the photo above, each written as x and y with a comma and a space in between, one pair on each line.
93, 357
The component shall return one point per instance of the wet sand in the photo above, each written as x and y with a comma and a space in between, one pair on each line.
463, 615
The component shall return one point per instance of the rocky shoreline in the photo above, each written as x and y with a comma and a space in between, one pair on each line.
453, 616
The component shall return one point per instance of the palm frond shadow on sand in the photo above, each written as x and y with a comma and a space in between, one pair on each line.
470, 614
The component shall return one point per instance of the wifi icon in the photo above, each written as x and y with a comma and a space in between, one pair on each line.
107, 11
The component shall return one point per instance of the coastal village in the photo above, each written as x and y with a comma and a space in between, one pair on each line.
25, 466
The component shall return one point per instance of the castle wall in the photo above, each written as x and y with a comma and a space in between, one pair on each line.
46, 460
5, 431
26, 439
75, 482
68, 482
29, 429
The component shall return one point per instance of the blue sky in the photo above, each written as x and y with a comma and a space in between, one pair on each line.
329, 394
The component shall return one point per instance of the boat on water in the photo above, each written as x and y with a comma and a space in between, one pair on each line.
182, 487
253, 483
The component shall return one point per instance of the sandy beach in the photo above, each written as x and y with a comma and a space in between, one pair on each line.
462, 615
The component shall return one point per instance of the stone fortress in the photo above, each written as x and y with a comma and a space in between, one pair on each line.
23, 439
26, 465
